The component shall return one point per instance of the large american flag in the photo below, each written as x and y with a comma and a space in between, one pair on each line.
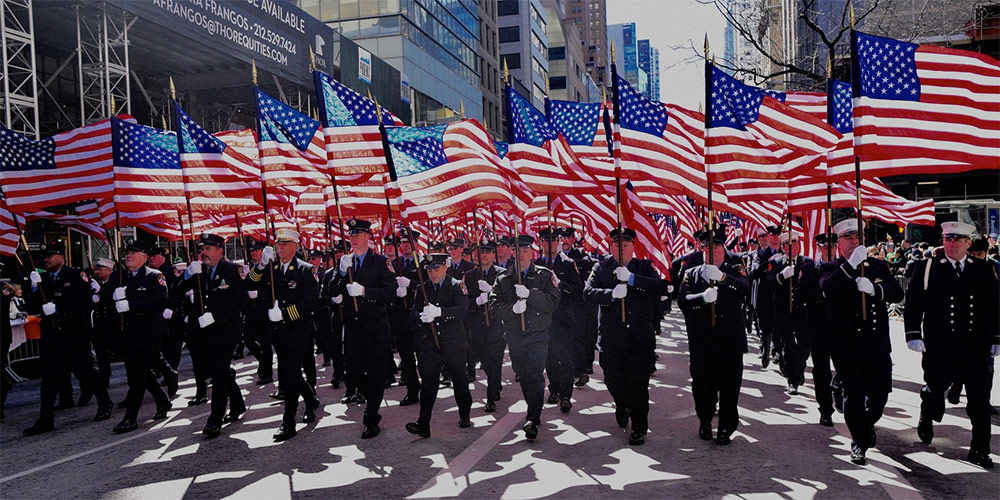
147, 168
8, 230
76, 223
65, 168
925, 102
292, 149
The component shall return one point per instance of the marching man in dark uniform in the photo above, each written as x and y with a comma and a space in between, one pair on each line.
107, 328
860, 344
585, 336
486, 339
819, 338
255, 329
223, 292
335, 339
524, 298
294, 296
795, 274
446, 307
458, 266
405, 329
951, 317
140, 302
63, 297
717, 345
764, 294
627, 347
505, 258
559, 358
366, 278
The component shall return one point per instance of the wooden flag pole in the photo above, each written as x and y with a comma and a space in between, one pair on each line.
268, 235
857, 189
510, 133
479, 256
708, 178
617, 161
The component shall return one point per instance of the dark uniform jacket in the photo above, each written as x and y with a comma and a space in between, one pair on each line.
641, 304
542, 302
370, 323
223, 296
805, 294
453, 299
146, 293
763, 297
400, 317
297, 292
948, 311
70, 292
681, 264
571, 286
457, 270
105, 314
843, 305
477, 313
729, 332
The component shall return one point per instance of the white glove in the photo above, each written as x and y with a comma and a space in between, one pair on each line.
670, 288
430, 312
401, 291
402, 281
246, 269
622, 273
520, 306
206, 319
779, 258
194, 268
711, 273
355, 289
620, 291
858, 256
710, 295
995, 350
521, 291
190, 295
49, 308
787, 272
94, 286
338, 299
35, 278
482, 299
95, 298
119, 293
168, 313
664, 298
485, 287
122, 306
865, 286
252, 294
274, 314
346, 262
917, 345
266, 256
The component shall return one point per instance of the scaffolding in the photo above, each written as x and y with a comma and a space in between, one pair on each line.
103, 63
20, 83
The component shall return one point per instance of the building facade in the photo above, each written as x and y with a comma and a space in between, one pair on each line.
623, 38
524, 45
490, 83
591, 18
649, 61
567, 66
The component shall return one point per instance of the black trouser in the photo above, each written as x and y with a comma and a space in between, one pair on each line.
716, 377
172, 342
965, 366
61, 355
335, 346
491, 354
6, 383
367, 364
309, 362
432, 362
867, 379
586, 343
219, 356
199, 364
527, 355
626, 374
795, 346
559, 361
405, 340
138, 369
258, 335
822, 375
765, 322
102, 349
290, 345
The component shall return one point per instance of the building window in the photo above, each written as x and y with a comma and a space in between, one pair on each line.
557, 82
537, 43
507, 8
512, 34
513, 60
557, 53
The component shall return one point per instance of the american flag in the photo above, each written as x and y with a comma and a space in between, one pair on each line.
813, 223
540, 155
350, 129
216, 177
74, 222
648, 244
444, 169
8, 230
924, 102
147, 168
292, 150
65, 168
752, 134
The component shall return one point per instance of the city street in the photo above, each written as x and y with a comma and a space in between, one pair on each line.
779, 451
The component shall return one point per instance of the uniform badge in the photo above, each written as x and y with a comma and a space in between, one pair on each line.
161, 280
292, 285
389, 265
742, 269
462, 286
315, 274
84, 277
223, 285
66, 284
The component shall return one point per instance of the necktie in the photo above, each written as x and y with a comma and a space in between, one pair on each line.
357, 263
958, 269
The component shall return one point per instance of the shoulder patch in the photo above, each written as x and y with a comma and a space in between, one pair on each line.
465, 291
161, 279
84, 277
315, 273
388, 263
555, 280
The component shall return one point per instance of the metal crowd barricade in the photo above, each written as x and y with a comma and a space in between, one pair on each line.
897, 309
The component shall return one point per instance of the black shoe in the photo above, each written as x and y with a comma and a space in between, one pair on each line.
705, 432
857, 455
993, 410
327, 363
565, 405
837, 391
497, 397
826, 420
464, 423
621, 416
170, 380
125, 426
722, 437
348, 399
362, 400
285, 432
161, 411
792, 390
103, 413
874, 439
371, 431
264, 380
335, 383
238, 355
211, 430
123, 404
198, 399
409, 400
636, 438
955, 394
530, 430
980, 458
391, 379
63, 405
581, 380
280, 396
445, 382
765, 356
470, 376
415, 428
233, 416
85, 398
309, 416
38, 428
553, 399
925, 430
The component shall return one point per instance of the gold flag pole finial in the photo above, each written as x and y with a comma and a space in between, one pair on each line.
829, 66
312, 59
163, 118
706, 47
604, 94
113, 107
851, 4
506, 72
378, 109
461, 108
612, 52
173, 90
253, 71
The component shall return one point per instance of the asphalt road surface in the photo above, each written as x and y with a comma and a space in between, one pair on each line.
779, 451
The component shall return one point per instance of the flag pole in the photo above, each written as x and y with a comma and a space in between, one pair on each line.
708, 178
268, 235
791, 262
187, 195
388, 210
510, 134
829, 185
243, 243
479, 256
616, 156
857, 190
